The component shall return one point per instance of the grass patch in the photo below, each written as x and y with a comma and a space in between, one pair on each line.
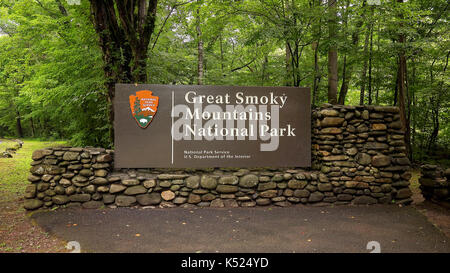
7, 143
415, 175
17, 232
14, 171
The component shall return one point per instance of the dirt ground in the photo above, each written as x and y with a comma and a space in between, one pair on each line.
18, 233
438, 215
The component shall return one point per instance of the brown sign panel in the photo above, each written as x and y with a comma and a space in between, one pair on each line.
191, 126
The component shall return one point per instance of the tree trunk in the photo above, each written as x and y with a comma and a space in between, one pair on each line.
199, 50
317, 31
332, 76
348, 59
377, 82
221, 56
124, 29
332, 53
402, 90
364, 69
137, 19
33, 132
402, 96
435, 116
288, 65
370, 67
396, 87
345, 79
19, 124
316, 73
435, 106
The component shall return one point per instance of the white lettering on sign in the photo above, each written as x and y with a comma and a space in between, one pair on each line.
192, 97
233, 121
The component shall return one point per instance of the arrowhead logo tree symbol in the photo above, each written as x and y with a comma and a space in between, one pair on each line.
143, 107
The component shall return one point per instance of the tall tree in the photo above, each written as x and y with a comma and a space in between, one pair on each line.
401, 85
316, 33
200, 52
124, 28
370, 66
332, 52
364, 68
350, 57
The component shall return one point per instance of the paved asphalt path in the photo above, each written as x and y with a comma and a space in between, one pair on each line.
268, 229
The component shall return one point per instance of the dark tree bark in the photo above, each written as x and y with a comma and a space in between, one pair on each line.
364, 69
200, 52
295, 53
33, 131
124, 28
377, 82
294, 49
288, 64
332, 53
137, 18
413, 102
221, 56
370, 67
435, 102
61, 7
317, 31
396, 87
316, 73
349, 60
19, 124
345, 79
346, 76
402, 90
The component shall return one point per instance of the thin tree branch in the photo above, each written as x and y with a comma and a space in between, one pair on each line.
165, 21
245, 65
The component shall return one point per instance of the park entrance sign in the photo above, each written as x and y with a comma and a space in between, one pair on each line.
190, 126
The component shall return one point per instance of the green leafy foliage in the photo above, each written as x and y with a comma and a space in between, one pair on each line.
51, 73
51, 68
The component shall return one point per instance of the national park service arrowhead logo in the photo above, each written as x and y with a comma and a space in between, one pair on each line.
143, 107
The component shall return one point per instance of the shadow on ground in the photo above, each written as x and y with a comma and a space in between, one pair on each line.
269, 229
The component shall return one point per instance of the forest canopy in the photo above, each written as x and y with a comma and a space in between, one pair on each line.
59, 60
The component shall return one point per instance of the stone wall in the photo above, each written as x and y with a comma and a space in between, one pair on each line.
10, 151
358, 158
434, 184
361, 151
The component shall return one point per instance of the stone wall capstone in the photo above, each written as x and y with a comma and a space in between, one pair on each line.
358, 158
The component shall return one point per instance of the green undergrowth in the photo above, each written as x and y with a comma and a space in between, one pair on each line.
14, 171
